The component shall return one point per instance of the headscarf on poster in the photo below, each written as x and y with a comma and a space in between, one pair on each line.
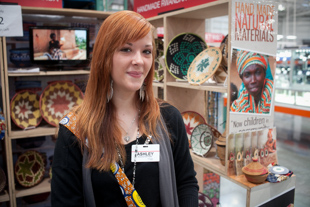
253, 48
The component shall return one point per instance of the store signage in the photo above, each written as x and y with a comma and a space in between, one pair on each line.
36, 3
255, 25
10, 21
150, 8
213, 37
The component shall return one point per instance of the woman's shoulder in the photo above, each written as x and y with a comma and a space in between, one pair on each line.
169, 112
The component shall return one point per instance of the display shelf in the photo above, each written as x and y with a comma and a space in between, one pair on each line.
158, 84
43, 187
51, 73
4, 196
45, 130
204, 87
210, 162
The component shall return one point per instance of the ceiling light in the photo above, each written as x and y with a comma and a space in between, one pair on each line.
281, 7
291, 37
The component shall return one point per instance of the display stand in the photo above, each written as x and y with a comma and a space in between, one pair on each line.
7, 80
188, 97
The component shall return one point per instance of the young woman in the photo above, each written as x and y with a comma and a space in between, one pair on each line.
122, 147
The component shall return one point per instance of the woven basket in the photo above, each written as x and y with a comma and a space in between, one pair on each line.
255, 172
220, 150
257, 179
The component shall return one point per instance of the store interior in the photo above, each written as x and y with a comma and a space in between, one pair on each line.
292, 88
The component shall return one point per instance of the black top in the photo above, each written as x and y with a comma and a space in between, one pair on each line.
67, 185
54, 44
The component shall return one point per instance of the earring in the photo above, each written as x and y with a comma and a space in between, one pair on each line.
109, 97
142, 92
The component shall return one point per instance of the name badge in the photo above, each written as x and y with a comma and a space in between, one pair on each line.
145, 153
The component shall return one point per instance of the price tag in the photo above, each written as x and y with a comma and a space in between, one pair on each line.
11, 23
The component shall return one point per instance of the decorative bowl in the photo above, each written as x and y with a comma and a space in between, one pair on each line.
181, 52
29, 168
57, 99
255, 172
257, 179
25, 109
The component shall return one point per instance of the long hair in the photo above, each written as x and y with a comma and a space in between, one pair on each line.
97, 120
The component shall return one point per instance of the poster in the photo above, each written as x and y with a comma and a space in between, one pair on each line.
253, 63
255, 25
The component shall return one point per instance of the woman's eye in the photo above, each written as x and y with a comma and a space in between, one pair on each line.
126, 49
147, 51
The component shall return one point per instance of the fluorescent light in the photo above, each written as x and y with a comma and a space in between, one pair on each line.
279, 37
281, 7
291, 37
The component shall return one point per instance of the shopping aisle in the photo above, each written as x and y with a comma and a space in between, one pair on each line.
293, 135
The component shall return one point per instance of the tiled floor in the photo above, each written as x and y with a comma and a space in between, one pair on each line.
293, 135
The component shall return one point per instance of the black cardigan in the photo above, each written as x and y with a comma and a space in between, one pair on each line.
67, 186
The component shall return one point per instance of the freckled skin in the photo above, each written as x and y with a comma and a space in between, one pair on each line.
253, 78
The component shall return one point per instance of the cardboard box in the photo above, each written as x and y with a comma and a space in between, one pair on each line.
36, 3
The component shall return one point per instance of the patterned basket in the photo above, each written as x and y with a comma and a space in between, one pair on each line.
29, 168
57, 99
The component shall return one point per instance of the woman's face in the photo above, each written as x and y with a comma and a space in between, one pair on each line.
131, 64
253, 79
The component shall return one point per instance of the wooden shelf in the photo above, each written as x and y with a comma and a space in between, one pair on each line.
210, 162
158, 84
51, 73
4, 196
205, 87
37, 132
43, 187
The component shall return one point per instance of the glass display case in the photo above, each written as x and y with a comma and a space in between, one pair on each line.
293, 77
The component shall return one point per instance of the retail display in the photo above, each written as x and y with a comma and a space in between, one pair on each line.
221, 147
204, 200
20, 57
57, 99
191, 120
29, 168
25, 110
255, 172
2, 125
159, 68
279, 170
2, 180
181, 52
204, 66
224, 50
202, 140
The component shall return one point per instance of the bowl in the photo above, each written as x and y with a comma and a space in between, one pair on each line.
20, 57
257, 179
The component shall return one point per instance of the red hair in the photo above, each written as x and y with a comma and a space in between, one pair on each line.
96, 117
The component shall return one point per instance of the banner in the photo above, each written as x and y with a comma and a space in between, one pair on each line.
150, 8
253, 63
255, 25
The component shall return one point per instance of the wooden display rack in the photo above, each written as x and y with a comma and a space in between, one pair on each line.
184, 96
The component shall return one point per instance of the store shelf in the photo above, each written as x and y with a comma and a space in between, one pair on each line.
45, 130
210, 162
65, 12
51, 73
157, 84
205, 87
43, 187
4, 196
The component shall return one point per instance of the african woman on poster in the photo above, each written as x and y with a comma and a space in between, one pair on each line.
255, 92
